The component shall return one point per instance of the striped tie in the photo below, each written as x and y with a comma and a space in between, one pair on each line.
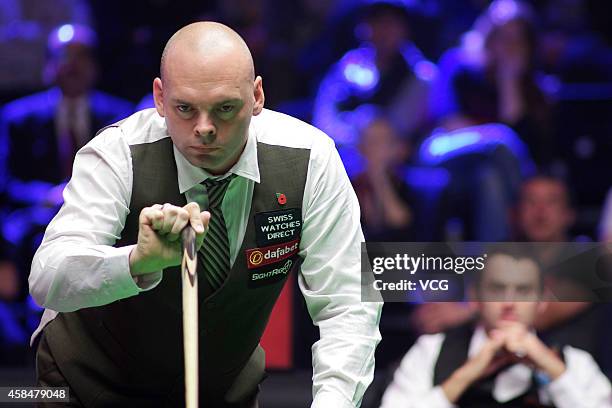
215, 250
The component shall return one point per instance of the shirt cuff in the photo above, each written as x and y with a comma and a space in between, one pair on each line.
438, 399
119, 270
561, 390
326, 399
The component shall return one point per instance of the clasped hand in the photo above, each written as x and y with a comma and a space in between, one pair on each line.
159, 231
513, 343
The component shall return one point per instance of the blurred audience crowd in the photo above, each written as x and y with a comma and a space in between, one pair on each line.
456, 120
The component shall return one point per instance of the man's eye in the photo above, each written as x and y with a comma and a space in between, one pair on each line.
183, 108
226, 108
493, 288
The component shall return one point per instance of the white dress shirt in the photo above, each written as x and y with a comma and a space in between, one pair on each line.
582, 385
76, 265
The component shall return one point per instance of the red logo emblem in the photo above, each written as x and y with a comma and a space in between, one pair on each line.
257, 257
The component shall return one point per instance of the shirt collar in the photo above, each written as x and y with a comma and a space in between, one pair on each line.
246, 166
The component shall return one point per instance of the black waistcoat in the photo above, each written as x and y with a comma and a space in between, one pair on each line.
130, 352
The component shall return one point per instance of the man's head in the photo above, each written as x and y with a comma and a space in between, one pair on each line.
207, 93
509, 288
544, 212
509, 31
71, 63
385, 26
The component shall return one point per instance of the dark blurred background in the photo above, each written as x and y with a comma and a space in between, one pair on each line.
456, 120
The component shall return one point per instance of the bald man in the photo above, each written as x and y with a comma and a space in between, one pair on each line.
278, 201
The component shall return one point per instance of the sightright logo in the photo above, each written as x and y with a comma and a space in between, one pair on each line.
282, 270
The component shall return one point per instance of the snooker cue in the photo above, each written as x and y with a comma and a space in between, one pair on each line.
189, 279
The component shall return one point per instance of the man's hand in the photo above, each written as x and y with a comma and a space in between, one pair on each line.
159, 230
510, 343
487, 361
529, 349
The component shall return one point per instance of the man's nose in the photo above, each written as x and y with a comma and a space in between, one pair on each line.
509, 299
205, 128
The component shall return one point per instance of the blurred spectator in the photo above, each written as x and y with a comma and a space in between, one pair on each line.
24, 28
491, 82
493, 77
500, 360
387, 214
485, 164
41, 133
544, 214
383, 196
387, 72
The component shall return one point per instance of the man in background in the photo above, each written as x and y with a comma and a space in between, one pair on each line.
41, 133
499, 360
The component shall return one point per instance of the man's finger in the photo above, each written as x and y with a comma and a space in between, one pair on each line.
193, 209
494, 343
204, 219
497, 363
152, 216
170, 214
181, 220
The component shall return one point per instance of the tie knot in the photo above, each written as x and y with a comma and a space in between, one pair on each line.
212, 183
215, 190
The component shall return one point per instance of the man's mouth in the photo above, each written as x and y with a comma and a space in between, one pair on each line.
204, 149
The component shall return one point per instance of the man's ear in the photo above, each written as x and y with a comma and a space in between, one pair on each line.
158, 96
260, 98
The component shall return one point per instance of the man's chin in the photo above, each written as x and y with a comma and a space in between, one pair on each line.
201, 161
540, 236
210, 166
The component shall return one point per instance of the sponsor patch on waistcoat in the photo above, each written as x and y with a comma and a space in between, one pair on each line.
273, 227
258, 257
265, 276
